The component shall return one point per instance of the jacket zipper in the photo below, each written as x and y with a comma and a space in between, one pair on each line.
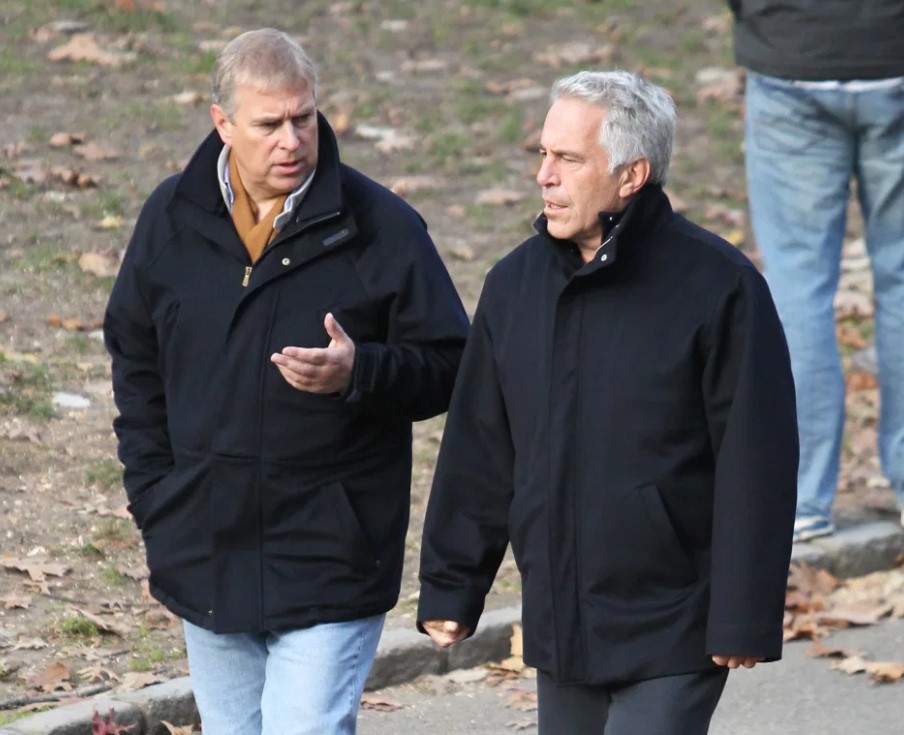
313, 222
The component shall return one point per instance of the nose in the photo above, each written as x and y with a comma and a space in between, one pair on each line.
289, 138
547, 175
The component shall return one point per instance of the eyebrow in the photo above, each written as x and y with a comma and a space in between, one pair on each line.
562, 152
265, 118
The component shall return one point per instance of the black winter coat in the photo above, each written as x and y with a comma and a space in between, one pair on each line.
263, 507
629, 425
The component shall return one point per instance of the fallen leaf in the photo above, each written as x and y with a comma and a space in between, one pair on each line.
30, 171
380, 704
850, 665
818, 650
30, 644
720, 23
110, 222
103, 624
859, 381
62, 140
841, 618
173, 730
107, 725
884, 672
100, 264
84, 47
853, 304
50, 679
576, 53
52, 31
3, 316
409, 184
135, 680
523, 701
36, 570
126, 5
93, 152
15, 150
500, 197
13, 602
73, 177
518, 725
159, 619
188, 98
463, 252
850, 336
400, 143
96, 672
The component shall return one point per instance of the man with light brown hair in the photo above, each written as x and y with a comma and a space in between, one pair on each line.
278, 322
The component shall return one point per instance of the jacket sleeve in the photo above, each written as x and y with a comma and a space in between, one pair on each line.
131, 339
749, 396
466, 525
412, 373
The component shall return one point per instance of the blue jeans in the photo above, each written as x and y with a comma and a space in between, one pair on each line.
802, 148
300, 682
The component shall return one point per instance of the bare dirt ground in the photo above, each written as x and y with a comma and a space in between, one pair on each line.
440, 99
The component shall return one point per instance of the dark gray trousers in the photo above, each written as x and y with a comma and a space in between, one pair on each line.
670, 705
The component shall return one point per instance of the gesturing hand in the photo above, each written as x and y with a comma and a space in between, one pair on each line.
733, 662
319, 369
445, 632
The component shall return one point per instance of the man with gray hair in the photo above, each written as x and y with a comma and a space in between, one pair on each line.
278, 322
623, 415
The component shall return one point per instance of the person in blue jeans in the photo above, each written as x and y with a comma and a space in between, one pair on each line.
825, 105
278, 323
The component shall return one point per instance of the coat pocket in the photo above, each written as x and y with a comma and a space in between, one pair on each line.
631, 550
314, 526
665, 532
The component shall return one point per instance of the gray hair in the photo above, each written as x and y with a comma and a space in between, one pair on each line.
640, 117
266, 58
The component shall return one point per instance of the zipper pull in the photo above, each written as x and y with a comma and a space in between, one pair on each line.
247, 276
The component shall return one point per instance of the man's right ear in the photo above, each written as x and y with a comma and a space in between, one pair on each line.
222, 123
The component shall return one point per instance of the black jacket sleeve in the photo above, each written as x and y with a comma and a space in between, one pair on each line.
465, 530
412, 373
131, 339
749, 396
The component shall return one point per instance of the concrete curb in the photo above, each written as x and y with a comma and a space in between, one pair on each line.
404, 654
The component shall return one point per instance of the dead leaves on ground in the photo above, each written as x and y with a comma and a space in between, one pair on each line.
817, 604
37, 570
107, 724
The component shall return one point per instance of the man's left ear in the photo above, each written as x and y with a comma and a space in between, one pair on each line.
633, 177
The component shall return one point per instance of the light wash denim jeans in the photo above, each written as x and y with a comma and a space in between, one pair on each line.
803, 147
300, 682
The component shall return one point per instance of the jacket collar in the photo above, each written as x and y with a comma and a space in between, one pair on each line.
624, 232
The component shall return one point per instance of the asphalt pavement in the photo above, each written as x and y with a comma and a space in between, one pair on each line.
796, 696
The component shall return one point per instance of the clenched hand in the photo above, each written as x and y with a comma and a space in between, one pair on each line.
733, 662
445, 632
319, 369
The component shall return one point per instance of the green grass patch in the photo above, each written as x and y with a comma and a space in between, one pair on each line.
25, 389
112, 576
147, 655
78, 626
12, 64
104, 473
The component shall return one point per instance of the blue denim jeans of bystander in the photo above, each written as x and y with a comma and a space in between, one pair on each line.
300, 682
803, 146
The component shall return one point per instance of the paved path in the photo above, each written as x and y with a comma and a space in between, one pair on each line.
797, 696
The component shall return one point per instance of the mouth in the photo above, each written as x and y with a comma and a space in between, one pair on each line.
290, 167
552, 206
